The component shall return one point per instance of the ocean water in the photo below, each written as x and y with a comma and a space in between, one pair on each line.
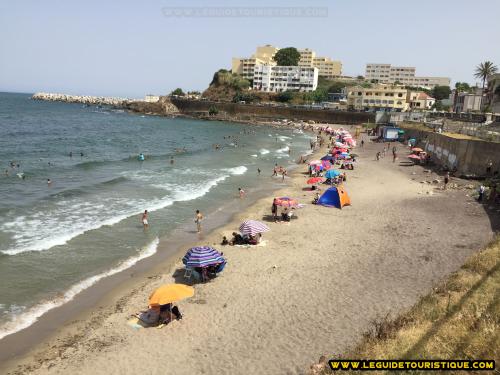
58, 239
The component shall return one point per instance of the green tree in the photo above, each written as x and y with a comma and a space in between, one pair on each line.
284, 96
288, 56
462, 87
178, 91
484, 70
318, 95
212, 111
336, 86
441, 92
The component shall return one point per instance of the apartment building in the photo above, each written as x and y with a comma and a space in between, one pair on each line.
491, 100
404, 75
327, 67
380, 97
271, 78
419, 100
264, 55
245, 65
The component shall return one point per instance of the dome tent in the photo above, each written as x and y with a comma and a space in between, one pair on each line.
335, 197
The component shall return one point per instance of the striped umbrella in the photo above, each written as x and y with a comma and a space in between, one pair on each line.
202, 256
253, 227
285, 201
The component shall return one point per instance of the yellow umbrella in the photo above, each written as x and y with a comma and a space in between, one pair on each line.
170, 293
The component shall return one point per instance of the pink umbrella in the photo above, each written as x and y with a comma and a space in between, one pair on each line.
314, 162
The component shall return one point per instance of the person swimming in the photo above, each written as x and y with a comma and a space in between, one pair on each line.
141, 157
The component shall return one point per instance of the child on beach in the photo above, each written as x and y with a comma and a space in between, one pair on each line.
241, 192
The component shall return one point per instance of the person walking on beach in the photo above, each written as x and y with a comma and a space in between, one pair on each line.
241, 192
274, 210
481, 193
446, 180
394, 156
283, 174
198, 218
144, 220
378, 156
362, 143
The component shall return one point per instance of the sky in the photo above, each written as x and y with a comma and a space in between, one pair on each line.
132, 48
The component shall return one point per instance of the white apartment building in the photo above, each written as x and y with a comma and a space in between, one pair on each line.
404, 75
285, 78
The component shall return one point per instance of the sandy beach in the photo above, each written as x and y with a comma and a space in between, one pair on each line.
313, 289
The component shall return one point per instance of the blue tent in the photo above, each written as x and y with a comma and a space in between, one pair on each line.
334, 197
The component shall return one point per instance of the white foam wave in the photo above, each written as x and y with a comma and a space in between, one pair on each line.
236, 171
254, 155
263, 151
30, 316
283, 150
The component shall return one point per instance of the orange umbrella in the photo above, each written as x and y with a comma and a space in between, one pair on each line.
170, 293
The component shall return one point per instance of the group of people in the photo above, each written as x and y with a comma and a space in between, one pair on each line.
239, 239
279, 171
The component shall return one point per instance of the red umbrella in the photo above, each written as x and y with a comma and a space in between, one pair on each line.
314, 180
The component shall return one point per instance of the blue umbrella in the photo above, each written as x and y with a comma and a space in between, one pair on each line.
332, 173
202, 256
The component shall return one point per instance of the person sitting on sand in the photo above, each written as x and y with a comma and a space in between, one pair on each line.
169, 313
237, 239
284, 214
316, 198
224, 241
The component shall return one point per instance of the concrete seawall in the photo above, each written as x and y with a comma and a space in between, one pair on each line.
469, 157
238, 111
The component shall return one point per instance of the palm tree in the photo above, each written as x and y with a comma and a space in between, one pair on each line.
484, 70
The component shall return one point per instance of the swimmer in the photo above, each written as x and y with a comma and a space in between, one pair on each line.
49, 182
171, 160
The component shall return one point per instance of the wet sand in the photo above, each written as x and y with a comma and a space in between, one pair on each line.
314, 288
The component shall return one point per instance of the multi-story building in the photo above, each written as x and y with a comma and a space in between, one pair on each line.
379, 97
404, 75
264, 55
149, 98
419, 100
285, 78
245, 66
492, 98
327, 67
468, 101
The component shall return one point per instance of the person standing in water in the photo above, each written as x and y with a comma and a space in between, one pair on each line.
241, 192
144, 220
171, 160
49, 182
71, 154
198, 218
258, 171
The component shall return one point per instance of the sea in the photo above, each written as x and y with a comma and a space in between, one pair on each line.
59, 239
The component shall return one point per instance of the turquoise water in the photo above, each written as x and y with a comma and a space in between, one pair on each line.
58, 239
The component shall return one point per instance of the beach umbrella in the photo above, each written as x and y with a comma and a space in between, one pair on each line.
170, 293
414, 157
253, 227
328, 157
332, 173
202, 256
314, 162
314, 180
286, 201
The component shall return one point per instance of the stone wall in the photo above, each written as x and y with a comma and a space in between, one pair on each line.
246, 111
469, 157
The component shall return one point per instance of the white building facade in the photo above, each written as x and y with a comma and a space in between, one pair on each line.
285, 78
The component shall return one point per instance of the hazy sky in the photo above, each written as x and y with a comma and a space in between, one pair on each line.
130, 48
